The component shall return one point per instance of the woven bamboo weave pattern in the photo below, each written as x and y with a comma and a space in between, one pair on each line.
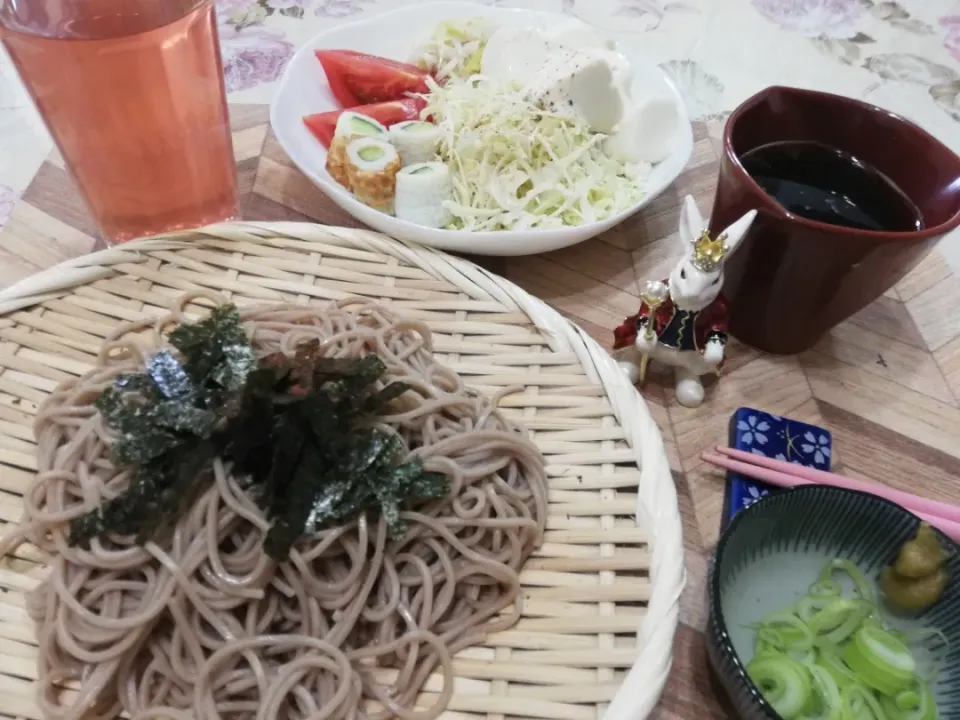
600, 595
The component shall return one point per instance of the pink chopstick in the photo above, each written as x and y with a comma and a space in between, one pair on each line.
908, 500
942, 516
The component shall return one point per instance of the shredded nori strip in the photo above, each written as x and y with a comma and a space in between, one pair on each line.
296, 429
325, 466
217, 352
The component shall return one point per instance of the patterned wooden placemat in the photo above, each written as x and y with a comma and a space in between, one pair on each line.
886, 382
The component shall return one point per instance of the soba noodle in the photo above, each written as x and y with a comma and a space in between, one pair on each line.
353, 624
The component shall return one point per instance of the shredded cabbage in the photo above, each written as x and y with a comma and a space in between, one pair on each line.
516, 166
455, 49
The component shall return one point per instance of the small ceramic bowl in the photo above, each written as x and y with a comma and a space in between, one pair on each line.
772, 551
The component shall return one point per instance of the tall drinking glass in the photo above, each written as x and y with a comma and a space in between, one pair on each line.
132, 92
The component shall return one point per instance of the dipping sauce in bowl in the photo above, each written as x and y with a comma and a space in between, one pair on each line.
799, 624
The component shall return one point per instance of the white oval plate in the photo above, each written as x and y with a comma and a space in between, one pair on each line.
303, 91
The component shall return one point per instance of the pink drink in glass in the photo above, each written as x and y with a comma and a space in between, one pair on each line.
132, 92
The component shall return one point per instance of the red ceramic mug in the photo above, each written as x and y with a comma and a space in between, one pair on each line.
792, 278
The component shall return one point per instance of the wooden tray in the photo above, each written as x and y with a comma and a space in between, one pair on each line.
601, 594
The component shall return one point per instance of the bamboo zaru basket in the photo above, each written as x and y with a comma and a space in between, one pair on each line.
601, 595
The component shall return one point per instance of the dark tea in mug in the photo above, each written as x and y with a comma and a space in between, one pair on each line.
850, 197
822, 183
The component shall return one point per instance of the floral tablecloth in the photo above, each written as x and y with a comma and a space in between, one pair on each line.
903, 55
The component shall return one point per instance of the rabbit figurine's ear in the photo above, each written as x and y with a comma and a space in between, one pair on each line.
735, 233
691, 221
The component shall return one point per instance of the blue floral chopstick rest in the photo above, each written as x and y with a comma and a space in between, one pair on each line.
776, 437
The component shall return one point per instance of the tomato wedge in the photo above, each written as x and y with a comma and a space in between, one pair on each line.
341, 93
323, 125
358, 79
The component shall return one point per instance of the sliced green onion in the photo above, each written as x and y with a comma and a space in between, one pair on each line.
908, 700
831, 657
848, 568
835, 615
793, 632
784, 683
812, 605
858, 703
770, 638
881, 660
828, 693
768, 652
848, 616
804, 657
825, 588
914, 704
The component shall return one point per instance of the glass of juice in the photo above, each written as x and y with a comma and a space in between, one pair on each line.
132, 93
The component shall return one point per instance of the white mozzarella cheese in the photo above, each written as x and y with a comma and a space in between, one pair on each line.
577, 35
646, 133
515, 55
579, 83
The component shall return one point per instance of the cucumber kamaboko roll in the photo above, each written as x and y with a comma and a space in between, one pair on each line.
372, 167
350, 125
422, 190
415, 140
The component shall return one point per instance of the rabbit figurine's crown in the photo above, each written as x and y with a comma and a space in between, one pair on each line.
708, 253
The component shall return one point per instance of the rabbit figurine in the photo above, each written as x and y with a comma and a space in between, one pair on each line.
688, 329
